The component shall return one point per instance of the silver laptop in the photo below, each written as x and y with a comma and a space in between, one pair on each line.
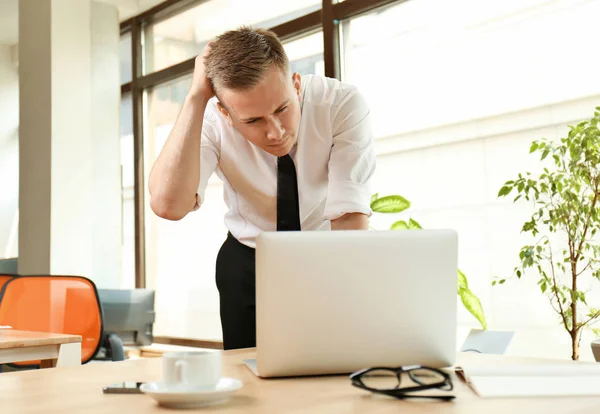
333, 302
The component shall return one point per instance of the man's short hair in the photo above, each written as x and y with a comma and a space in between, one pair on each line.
239, 59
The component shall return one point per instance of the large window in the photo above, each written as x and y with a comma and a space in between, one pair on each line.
181, 253
306, 54
443, 62
125, 57
184, 36
457, 90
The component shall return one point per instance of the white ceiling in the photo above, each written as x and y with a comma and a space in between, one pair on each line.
9, 15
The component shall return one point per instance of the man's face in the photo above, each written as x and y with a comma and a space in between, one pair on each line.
267, 115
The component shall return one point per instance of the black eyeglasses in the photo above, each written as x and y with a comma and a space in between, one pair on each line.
401, 382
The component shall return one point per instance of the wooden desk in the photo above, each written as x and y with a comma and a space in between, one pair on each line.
79, 390
51, 349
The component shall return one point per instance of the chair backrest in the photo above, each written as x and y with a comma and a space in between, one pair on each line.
56, 304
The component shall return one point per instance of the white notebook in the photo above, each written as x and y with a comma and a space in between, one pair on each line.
536, 380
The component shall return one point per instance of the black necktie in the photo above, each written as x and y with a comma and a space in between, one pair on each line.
288, 210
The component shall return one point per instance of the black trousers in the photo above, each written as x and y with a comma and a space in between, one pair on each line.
235, 277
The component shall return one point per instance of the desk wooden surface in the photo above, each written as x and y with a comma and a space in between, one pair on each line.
11, 338
79, 390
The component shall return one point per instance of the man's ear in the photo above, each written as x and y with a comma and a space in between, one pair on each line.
224, 111
297, 82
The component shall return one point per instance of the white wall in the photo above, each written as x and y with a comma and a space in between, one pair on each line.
9, 152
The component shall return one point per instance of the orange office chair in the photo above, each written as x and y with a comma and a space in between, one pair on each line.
5, 277
57, 304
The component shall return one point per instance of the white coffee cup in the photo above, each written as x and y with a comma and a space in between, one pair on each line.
195, 369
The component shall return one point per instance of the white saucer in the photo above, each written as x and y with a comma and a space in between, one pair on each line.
177, 397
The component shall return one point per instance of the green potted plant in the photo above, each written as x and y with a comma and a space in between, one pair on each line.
393, 204
566, 197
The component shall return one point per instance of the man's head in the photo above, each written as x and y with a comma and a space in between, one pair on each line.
250, 73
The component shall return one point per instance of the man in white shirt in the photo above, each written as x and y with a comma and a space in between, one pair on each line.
294, 153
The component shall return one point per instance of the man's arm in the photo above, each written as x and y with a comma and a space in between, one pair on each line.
351, 165
351, 221
175, 176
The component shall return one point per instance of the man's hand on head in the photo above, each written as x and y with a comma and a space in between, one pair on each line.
351, 221
201, 84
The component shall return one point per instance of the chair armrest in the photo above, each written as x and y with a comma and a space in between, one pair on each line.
115, 347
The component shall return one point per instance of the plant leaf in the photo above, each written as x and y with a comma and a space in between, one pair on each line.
413, 225
504, 191
469, 300
374, 197
399, 225
462, 281
473, 305
390, 204
534, 147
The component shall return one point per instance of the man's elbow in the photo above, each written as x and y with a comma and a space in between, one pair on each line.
351, 221
167, 210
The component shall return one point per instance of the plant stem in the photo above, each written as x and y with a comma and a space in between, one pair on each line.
555, 285
587, 266
575, 330
594, 316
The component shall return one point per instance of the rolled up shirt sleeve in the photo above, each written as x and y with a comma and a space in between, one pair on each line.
209, 157
352, 159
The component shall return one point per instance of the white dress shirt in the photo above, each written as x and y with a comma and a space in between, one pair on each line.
334, 159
